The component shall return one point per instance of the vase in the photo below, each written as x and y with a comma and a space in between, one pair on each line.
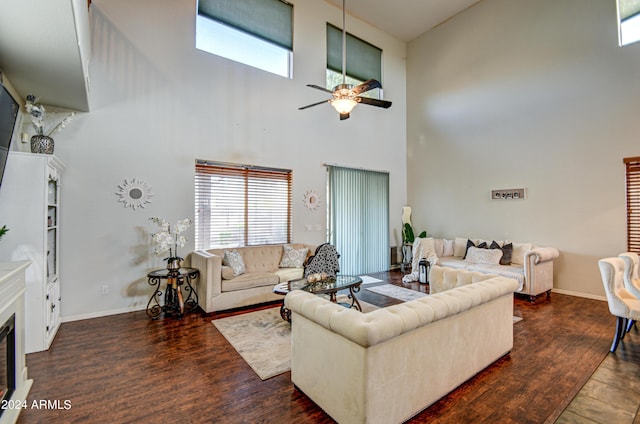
42, 144
173, 264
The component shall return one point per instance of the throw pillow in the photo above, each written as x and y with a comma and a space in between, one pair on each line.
478, 255
482, 245
519, 249
233, 259
227, 272
459, 247
507, 252
438, 245
293, 258
447, 248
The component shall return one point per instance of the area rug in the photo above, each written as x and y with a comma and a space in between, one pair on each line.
396, 292
406, 295
369, 280
263, 338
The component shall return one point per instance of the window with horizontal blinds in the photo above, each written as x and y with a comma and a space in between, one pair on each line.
364, 60
633, 203
269, 20
241, 205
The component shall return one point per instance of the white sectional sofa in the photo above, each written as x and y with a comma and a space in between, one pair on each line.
530, 265
352, 364
442, 278
220, 287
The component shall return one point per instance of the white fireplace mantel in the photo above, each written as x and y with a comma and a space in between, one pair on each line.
12, 290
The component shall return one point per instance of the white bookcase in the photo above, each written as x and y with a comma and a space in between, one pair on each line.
30, 208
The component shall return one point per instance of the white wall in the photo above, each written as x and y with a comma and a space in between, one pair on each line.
534, 94
158, 104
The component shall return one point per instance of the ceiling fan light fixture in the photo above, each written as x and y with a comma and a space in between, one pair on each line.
343, 105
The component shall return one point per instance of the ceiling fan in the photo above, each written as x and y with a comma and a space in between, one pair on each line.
345, 96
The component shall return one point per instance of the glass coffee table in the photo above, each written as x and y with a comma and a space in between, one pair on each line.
330, 286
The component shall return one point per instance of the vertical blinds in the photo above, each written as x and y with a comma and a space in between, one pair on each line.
359, 218
241, 205
269, 20
364, 61
633, 203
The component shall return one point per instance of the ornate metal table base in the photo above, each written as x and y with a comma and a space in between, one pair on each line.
329, 286
352, 295
174, 302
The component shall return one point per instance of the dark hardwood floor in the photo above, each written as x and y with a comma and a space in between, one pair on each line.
127, 368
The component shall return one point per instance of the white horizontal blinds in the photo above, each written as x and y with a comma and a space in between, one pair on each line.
241, 205
633, 203
269, 20
359, 218
364, 60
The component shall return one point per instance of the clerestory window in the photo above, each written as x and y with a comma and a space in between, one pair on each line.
258, 33
363, 61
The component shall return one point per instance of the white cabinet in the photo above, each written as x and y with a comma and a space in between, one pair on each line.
30, 208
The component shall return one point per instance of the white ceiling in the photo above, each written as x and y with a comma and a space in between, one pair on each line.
404, 19
45, 45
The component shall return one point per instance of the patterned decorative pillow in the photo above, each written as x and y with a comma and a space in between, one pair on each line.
233, 259
293, 258
479, 255
470, 244
507, 252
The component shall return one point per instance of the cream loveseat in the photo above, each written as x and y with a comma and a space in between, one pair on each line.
220, 288
389, 364
530, 265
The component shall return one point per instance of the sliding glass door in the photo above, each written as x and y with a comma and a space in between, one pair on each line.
359, 218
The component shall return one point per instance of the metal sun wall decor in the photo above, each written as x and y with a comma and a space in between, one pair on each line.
134, 193
311, 200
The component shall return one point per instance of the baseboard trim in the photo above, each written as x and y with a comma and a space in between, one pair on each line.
104, 313
578, 294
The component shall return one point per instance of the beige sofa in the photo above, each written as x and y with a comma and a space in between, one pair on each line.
443, 278
219, 289
531, 265
389, 364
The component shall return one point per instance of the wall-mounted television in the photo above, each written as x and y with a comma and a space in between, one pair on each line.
8, 115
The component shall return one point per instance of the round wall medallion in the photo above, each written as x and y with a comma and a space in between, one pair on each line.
134, 193
311, 200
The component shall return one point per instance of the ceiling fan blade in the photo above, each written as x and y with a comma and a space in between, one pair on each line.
366, 86
374, 102
344, 116
313, 104
317, 87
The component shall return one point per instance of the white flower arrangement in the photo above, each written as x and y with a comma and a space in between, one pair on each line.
167, 240
37, 113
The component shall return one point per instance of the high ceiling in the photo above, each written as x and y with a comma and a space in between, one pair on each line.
404, 19
45, 45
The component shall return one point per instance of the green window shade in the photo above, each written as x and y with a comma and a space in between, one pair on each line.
269, 20
628, 8
364, 61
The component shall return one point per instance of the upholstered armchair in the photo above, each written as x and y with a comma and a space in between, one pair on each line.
622, 304
630, 277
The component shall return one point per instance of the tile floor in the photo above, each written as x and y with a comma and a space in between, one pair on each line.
612, 394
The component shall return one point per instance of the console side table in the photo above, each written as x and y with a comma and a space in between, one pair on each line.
174, 302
